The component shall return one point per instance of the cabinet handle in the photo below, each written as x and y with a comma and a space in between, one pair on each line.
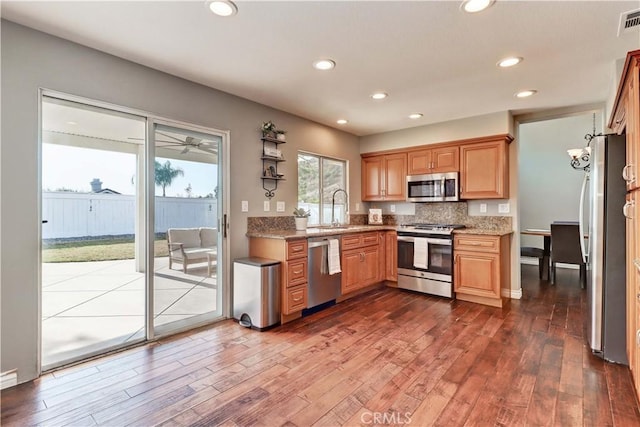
297, 299
638, 337
625, 209
636, 262
297, 271
618, 121
626, 175
297, 248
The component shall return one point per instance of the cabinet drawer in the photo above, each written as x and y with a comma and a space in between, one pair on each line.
295, 299
296, 249
477, 243
350, 241
369, 239
296, 272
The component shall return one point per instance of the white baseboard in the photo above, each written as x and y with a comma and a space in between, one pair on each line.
511, 293
9, 379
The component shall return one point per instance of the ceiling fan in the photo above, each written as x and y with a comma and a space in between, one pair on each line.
188, 143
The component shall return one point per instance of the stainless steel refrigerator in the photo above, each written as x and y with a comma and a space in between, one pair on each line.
606, 265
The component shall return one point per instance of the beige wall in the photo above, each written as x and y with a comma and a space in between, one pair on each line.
33, 60
470, 127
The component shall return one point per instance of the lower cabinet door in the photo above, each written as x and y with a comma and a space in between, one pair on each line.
295, 299
351, 261
391, 256
370, 267
477, 274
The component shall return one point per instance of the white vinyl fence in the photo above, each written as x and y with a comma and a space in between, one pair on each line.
77, 215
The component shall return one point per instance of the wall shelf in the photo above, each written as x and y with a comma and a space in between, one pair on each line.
270, 175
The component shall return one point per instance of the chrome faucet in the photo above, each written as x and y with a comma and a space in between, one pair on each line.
333, 205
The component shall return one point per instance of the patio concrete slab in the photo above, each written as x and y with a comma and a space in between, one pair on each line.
55, 303
196, 301
69, 334
94, 282
114, 303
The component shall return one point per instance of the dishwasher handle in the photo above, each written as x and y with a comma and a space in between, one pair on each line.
317, 243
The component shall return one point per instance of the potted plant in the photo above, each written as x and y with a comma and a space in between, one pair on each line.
280, 134
268, 129
301, 217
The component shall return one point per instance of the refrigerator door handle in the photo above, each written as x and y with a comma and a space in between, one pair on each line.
581, 218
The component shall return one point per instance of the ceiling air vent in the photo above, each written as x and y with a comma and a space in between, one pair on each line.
629, 22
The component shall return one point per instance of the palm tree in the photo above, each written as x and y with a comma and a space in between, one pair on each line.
165, 175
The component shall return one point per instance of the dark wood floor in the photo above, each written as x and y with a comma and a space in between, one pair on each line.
387, 357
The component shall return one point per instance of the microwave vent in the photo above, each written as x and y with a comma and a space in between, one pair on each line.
629, 22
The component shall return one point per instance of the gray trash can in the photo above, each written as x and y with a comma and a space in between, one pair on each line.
256, 292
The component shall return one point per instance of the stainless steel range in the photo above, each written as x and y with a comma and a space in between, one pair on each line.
425, 258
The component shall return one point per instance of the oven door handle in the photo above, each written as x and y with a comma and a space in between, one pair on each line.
430, 240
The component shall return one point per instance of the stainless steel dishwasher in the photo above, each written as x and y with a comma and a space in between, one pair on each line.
323, 287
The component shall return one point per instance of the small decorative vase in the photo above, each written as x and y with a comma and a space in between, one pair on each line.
301, 223
281, 137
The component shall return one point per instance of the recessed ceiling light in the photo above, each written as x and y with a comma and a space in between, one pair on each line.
72, 123
473, 6
526, 93
379, 95
509, 62
342, 121
324, 64
223, 7
415, 115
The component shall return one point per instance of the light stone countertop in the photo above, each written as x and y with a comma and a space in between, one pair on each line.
483, 231
332, 231
319, 231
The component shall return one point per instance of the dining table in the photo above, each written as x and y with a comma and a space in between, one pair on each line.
546, 234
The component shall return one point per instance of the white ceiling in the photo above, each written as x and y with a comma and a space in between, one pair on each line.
428, 55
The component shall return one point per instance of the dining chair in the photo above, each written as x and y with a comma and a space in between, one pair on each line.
565, 248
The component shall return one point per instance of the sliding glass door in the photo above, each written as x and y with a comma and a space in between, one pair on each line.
186, 286
93, 283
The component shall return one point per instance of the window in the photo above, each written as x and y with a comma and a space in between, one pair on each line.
318, 178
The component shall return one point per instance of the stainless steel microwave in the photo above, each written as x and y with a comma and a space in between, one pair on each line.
436, 187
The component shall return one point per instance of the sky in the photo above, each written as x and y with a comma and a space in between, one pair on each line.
74, 168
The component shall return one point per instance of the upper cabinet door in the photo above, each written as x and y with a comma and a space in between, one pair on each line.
419, 162
445, 159
372, 170
384, 177
485, 170
395, 177
436, 160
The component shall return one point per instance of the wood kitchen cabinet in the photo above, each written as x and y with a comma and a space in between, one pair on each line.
435, 160
384, 177
360, 261
481, 268
484, 169
625, 119
391, 256
294, 271
633, 302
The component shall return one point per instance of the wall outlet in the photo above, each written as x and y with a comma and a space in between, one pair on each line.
357, 207
245, 206
267, 206
279, 206
392, 208
503, 208
483, 208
